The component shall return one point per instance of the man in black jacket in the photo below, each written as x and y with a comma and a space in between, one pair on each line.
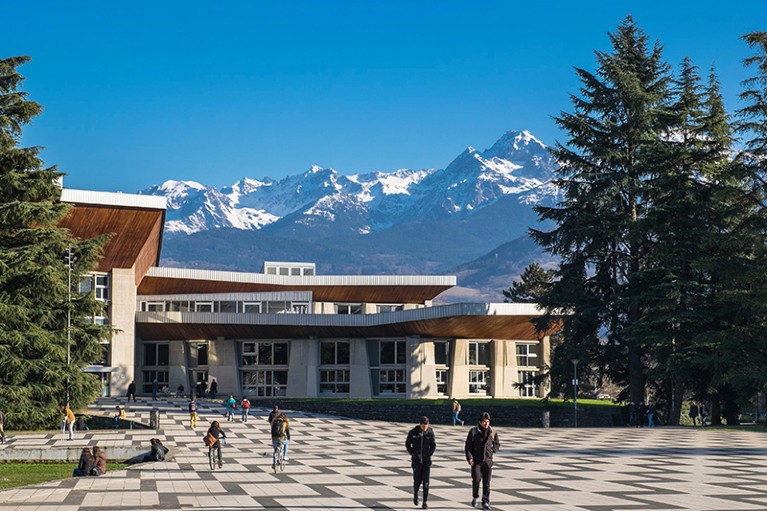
481, 443
421, 445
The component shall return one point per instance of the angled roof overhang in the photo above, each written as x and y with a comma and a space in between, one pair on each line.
134, 221
463, 320
324, 288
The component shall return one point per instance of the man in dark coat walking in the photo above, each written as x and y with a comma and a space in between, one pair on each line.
421, 445
132, 391
481, 443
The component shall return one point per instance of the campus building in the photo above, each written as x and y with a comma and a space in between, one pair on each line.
288, 331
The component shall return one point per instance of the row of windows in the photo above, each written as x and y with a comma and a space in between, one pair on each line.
268, 307
338, 353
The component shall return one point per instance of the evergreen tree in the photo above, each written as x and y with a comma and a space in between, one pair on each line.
532, 284
35, 376
613, 135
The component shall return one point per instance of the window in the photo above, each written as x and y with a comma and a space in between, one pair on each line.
271, 271
388, 308
156, 354
283, 271
348, 308
149, 376
527, 355
300, 308
479, 354
334, 353
308, 271
153, 306
479, 382
102, 287
227, 306
295, 271
251, 307
442, 353
203, 307
392, 352
202, 354
442, 378
265, 383
277, 307
264, 353
528, 388
391, 381
334, 381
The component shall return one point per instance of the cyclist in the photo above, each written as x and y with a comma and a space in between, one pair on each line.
218, 434
279, 434
287, 436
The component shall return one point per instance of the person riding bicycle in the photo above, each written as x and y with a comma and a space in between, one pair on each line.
216, 432
279, 434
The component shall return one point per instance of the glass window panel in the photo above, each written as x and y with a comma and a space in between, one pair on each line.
441, 353
484, 354
342, 353
150, 354
308, 271
401, 352
387, 352
327, 353
251, 307
163, 357
228, 306
280, 353
264, 354
283, 271
202, 354
295, 271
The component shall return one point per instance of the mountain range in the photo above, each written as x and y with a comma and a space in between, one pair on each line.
469, 219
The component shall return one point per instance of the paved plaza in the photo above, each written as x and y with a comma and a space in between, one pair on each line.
346, 464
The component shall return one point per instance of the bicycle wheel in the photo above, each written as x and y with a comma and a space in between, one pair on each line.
282, 462
212, 458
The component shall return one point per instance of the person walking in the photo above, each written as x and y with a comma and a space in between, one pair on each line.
132, 391
68, 422
694, 413
456, 411
217, 433
481, 443
120, 415
279, 434
703, 414
650, 415
245, 406
155, 388
273, 414
213, 388
420, 444
231, 404
2, 427
192, 413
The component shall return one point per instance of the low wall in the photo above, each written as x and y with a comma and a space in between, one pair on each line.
502, 415
68, 454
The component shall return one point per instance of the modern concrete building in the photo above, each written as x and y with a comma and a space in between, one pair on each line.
288, 331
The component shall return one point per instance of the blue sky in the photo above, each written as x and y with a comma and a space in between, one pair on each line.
136, 93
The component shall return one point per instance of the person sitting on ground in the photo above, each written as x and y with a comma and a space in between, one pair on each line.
180, 390
119, 416
158, 451
85, 465
100, 459
80, 424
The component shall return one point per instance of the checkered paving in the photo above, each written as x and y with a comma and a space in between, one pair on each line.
346, 464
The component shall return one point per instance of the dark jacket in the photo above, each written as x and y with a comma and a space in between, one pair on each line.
217, 433
421, 444
159, 451
481, 444
87, 462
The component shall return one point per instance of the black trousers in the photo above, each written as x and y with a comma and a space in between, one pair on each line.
421, 473
481, 472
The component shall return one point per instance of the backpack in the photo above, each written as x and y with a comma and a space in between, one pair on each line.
278, 428
245, 403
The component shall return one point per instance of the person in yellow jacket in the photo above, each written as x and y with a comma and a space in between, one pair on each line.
68, 422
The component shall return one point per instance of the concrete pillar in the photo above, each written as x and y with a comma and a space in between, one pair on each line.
544, 356
498, 381
303, 376
222, 360
459, 369
122, 316
177, 369
359, 369
422, 374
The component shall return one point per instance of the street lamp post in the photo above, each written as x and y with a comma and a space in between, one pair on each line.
575, 391
70, 263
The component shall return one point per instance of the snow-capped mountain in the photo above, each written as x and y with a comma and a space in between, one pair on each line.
323, 202
470, 218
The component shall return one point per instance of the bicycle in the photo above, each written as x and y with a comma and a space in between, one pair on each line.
212, 449
278, 459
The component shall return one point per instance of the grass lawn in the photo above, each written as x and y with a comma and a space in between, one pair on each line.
20, 474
